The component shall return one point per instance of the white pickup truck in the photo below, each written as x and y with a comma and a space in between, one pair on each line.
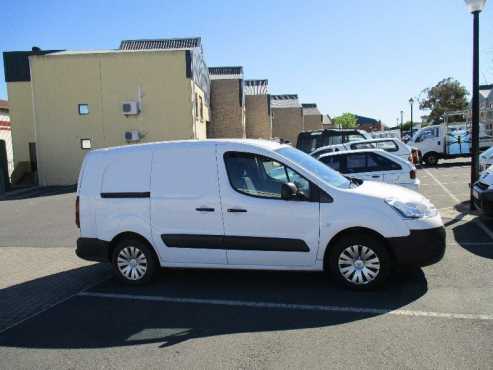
450, 140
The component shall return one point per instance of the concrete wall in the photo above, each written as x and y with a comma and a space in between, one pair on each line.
258, 121
312, 122
21, 116
103, 80
228, 115
287, 123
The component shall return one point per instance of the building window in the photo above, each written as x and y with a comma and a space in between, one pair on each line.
83, 109
201, 109
85, 144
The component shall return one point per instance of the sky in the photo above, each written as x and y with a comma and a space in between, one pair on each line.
359, 56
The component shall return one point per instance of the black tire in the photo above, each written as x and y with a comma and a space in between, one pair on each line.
337, 262
431, 159
127, 247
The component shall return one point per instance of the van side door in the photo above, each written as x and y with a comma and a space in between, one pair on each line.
186, 214
261, 228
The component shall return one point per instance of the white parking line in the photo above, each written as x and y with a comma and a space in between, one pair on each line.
289, 306
484, 228
450, 194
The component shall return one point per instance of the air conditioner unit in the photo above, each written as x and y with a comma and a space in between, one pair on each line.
130, 108
132, 136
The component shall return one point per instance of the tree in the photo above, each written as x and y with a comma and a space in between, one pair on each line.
447, 95
346, 120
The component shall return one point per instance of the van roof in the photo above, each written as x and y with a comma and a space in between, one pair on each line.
265, 144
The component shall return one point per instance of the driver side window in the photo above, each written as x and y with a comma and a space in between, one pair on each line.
260, 176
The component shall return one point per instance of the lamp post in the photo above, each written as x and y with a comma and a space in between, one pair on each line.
402, 119
475, 7
411, 102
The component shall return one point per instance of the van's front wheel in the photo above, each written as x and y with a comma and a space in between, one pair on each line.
431, 159
360, 262
133, 262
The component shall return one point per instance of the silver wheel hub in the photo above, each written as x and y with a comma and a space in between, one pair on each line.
359, 264
132, 263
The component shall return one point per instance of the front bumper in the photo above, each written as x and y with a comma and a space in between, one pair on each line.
92, 249
420, 248
483, 199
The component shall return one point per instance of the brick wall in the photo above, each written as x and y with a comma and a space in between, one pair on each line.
228, 116
287, 123
312, 122
258, 119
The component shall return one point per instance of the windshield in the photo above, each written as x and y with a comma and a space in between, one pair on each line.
317, 168
488, 153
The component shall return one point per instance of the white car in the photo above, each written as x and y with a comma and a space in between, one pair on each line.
485, 159
246, 204
391, 145
373, 165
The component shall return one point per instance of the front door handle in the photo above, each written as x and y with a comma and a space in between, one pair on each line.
236, 210
204, 209
375, 176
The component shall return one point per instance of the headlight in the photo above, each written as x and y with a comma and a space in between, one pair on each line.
412, 209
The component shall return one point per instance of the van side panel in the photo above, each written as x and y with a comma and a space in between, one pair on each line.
88, 188
186, 215
123, 199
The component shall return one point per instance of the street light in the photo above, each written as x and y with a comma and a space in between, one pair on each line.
402, 119
475, 7
411, 102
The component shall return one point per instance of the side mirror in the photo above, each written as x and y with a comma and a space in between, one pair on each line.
289, 191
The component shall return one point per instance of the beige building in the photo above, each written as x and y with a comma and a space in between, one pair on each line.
327, 122
258, 113
287, 117
227, 103
64, 103
312, 118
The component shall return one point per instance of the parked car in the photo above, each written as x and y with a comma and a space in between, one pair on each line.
246, 204
391, 145
486, 159
482, 192
308, 141
374, 165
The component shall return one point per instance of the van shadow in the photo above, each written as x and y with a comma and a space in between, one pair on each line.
17, 302
235, 304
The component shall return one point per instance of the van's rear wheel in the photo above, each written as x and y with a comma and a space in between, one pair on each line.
134, 263
360, 262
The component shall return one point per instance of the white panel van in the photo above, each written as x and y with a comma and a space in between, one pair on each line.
246, 204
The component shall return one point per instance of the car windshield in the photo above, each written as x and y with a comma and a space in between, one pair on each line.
487, 153
317, 168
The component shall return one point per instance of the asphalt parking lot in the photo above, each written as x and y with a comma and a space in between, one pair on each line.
440, 316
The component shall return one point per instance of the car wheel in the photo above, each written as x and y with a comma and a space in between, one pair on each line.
431, 159
360, 262
134, 262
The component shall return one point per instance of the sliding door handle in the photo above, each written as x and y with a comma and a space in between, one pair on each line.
237, 210
204, 209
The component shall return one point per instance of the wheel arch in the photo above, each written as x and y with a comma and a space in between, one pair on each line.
129, 235
352, 231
